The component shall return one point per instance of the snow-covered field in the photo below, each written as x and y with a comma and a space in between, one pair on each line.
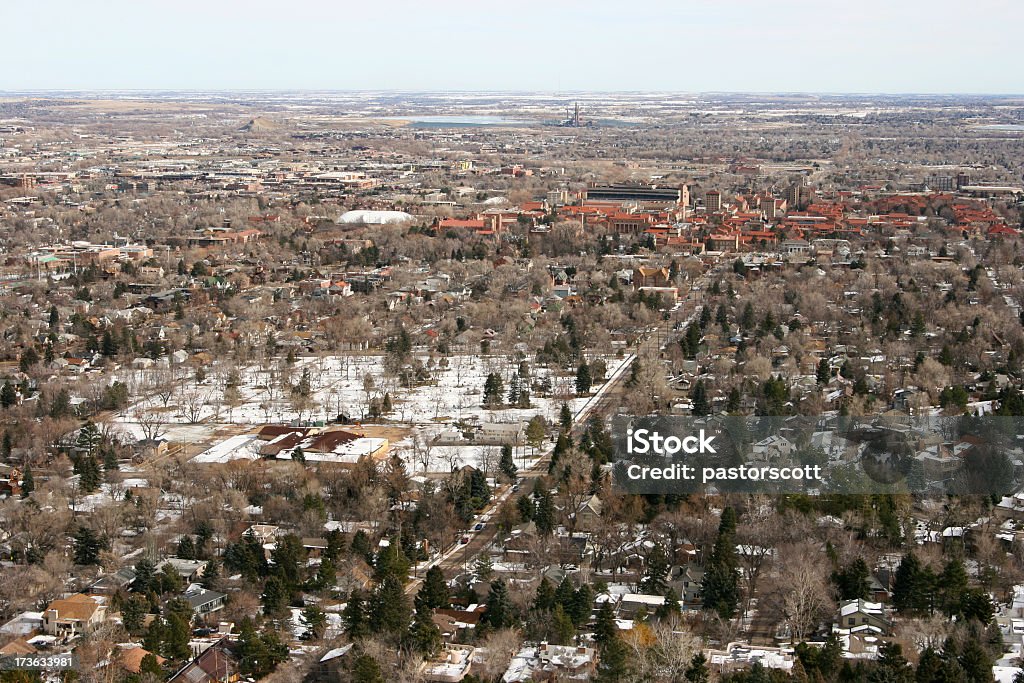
191, 412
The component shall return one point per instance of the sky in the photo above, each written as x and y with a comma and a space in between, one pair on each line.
870, 46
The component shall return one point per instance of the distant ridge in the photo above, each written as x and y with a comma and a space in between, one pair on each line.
259, 125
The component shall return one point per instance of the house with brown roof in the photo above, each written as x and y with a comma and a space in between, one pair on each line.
650, 276
217, 664
68, 617
17, 648
131, 658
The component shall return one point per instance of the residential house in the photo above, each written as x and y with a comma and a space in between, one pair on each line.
190, 570
773, 447
23, 624
17, 648
130, 659
332, 664
204, 601
742, 656
264, 533
588, 517
10, 481
861, 615
690, 580
633, 604
450, 665
551, 662
501, 433
69, 617
109, 584
217, 664
455, 624
649, 276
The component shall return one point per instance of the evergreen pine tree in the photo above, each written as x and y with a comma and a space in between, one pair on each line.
493, 390
133, 613
544, 515
564, 593
434, 589
699, 397
186, 548
605, 628
852, 580
274, 597
365, 669
892, 665
87, 546
976, 663
177, 634
656, 572
28, 482
361, 546
389, 608
8, 395
260, 653
824, 372
952, 585
507, 464
90, 475
154, 638
108, 345
499, 606
747, 318
562, 627
692, 341
614, 663
426, 637
145, 577
354, 616
913, 586
720, 588
149, 667
513, 390
583, 379
733, 400
565, 417
29, 358
698, 671
581, 605
110, 462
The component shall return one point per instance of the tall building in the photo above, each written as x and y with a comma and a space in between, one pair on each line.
713, 200
798, 196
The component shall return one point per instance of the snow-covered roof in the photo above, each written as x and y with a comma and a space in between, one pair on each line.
336, 652
374, 217
862, 606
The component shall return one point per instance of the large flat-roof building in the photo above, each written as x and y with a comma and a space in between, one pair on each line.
644, 195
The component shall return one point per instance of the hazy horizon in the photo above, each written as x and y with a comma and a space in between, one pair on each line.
458, 91
733, 46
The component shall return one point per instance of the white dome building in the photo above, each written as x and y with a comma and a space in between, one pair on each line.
374, 217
